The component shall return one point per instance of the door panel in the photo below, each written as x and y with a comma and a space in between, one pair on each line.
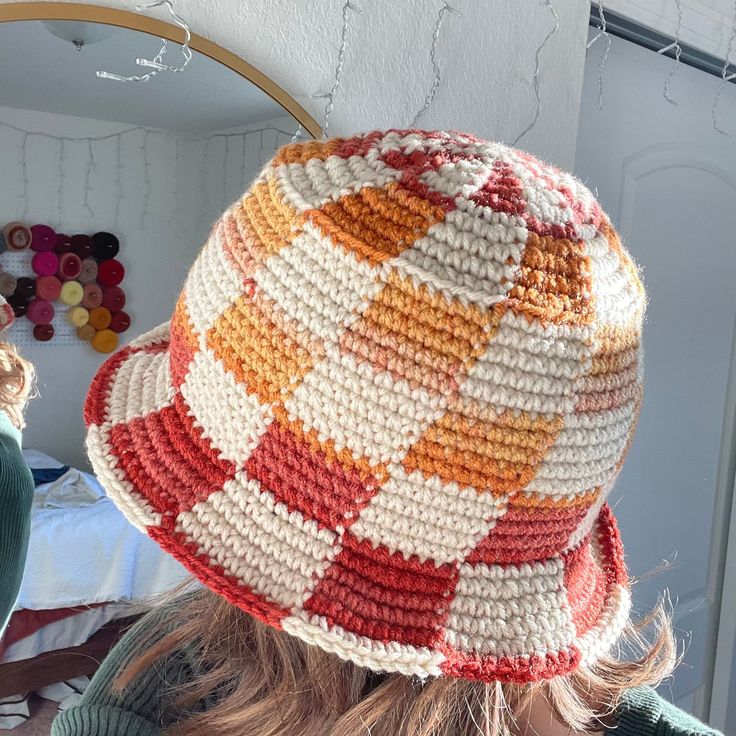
668, 181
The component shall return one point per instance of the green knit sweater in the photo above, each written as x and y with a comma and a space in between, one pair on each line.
141, 709
16, 496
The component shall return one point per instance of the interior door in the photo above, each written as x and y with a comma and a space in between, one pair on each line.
668, 180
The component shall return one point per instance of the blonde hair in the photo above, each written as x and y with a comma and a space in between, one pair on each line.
263, 682
16, 383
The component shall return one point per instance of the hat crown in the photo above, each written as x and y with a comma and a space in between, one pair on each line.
411, 360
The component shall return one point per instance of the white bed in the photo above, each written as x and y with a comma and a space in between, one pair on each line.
83, 552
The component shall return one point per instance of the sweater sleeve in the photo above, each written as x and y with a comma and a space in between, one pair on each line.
644, 713
138, 710
16, 498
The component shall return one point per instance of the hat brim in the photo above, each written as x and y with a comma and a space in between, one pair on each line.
230, 531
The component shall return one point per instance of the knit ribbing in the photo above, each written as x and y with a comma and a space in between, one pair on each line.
143, 707
16, 497
393, 396
644, 713
102, 720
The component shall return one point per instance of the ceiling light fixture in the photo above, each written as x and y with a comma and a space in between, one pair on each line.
79, 33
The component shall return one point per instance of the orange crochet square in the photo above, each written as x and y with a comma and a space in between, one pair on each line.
420, 336
263, 349
376, 224
613, 380
181, 328
264, 223
240, 244
543, 501
300, 153
498, 454
554, 282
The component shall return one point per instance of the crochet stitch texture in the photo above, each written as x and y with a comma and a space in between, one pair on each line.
6, 314
394, 394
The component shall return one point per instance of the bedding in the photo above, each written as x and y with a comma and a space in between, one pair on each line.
82, 550
86, 565
67, 631
26, 622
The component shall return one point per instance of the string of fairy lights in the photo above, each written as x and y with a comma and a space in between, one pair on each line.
88, 148
726, 77
675, 47
256, 146
677, 50
350, 9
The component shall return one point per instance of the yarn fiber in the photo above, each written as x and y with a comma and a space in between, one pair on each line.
6, 314
393, 396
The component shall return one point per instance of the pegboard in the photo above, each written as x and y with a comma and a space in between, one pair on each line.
21, 331
64, 290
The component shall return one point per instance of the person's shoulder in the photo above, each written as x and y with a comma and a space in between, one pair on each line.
16, 480
140, 708
643, 712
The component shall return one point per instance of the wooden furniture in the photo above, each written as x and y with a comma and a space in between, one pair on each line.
63, 664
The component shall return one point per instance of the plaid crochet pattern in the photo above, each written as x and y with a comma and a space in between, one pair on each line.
394, 394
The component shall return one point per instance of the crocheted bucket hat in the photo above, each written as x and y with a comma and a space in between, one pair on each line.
395, 391
6, 314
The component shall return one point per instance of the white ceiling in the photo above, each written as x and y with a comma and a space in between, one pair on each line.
39, 71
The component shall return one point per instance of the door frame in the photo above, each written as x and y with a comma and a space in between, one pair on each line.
722, 687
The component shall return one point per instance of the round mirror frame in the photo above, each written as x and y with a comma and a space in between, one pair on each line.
135, 21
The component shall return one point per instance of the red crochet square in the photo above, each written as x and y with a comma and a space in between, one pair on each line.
372, 592
585, 585
300, 476
168, 460
526, 534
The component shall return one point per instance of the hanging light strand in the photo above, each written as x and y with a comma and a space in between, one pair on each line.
156, 64
429, 99
243, 155
174, 211
24, 170
537, 70
146, 179
59, 181
602, 33
204, 189
135, 129
674, 46
87, 178
347, 7
89, 141
297, 134
225, 159
725, 76
261, 149
118, 178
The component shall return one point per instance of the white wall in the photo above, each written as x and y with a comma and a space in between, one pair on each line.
161, 226
486, 55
